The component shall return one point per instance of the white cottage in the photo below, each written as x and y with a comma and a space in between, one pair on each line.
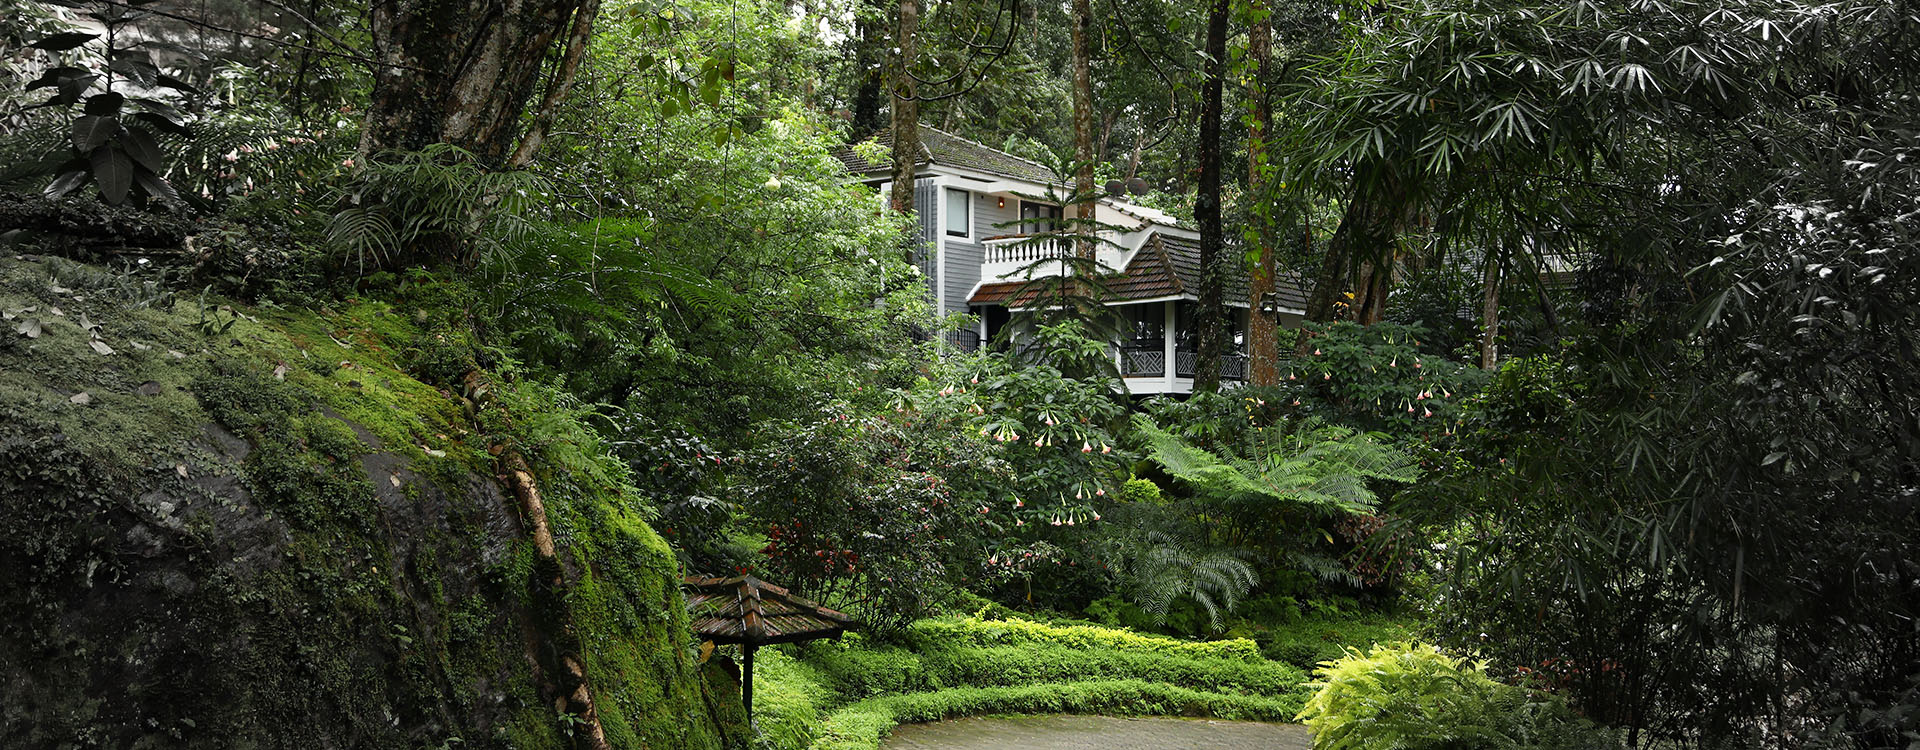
977, 210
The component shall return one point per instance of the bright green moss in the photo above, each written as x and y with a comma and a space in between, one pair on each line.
287, 538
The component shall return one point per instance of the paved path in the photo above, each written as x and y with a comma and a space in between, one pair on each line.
1097, 733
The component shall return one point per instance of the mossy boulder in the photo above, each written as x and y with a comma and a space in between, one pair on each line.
259, 528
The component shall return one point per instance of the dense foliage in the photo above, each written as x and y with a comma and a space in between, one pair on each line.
1607, 367
1410, 696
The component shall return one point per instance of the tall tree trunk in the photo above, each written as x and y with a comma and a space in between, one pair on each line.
869, 62
906, 107
1263, 336
481, 60
1083, 128
1357, 273
559, 86
1139, 145
1489, 311
1210, 321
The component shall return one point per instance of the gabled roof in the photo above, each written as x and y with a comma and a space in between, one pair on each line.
939, 147
744, 609
1167, 265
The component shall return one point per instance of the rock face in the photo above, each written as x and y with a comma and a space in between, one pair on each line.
252, 529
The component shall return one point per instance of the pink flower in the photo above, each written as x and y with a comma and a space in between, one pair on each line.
348, 163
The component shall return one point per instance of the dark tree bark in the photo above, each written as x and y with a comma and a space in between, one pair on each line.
1211, 318
906, 107
1083, 127
1263, 336
1489, 311
1356, 275
458, 71
559, 86
869, 62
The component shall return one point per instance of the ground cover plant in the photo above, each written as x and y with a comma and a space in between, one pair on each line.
849, 695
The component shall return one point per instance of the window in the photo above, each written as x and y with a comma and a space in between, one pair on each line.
959, 211
1039, 217
1145, 326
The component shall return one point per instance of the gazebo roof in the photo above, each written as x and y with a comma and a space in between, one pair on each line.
747, 610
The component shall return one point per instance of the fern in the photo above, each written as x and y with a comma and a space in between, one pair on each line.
1318, 467
438, 193
1168, 571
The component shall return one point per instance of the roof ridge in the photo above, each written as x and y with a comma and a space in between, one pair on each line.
1166, 262
1002, 152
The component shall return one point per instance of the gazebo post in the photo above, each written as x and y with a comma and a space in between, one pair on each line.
746, 681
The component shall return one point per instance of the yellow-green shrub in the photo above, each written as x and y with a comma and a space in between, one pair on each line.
863, 725
1413, 697
977, 632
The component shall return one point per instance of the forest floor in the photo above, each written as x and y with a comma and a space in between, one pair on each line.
1097, 733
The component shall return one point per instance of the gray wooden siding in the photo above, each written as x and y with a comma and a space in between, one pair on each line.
964, 258
986, 214
927, 205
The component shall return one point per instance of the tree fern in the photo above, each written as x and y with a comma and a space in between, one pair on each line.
1169, 571
1317, 467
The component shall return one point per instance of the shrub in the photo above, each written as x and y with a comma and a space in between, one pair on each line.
1412, 696
1318, 637
851, 693
863, 673
863, 725
977, 632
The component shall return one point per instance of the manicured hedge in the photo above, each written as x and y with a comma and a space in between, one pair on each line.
977, 632
858, 673
863, 725
848, 695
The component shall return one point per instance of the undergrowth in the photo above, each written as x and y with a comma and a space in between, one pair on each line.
848, 695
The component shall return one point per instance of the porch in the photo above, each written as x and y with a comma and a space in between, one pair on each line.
1158, 353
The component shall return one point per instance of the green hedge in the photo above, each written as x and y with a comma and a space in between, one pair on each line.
973, 631
863, 725
850, 694
858, 673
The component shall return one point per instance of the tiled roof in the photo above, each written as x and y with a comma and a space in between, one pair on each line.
745, 609
946, 149
1166, 265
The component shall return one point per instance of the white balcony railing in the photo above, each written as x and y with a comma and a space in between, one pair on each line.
1022, 250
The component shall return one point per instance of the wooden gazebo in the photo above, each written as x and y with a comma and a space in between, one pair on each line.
754, 613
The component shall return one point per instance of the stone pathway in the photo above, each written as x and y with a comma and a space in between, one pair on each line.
1097, 733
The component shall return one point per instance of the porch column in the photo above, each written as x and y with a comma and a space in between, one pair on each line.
1166, 341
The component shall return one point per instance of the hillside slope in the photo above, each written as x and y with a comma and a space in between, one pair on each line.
232, 527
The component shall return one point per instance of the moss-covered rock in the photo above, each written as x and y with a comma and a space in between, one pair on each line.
232, 527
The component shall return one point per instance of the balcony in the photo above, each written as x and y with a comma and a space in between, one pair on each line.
1010, 258
1152, 363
